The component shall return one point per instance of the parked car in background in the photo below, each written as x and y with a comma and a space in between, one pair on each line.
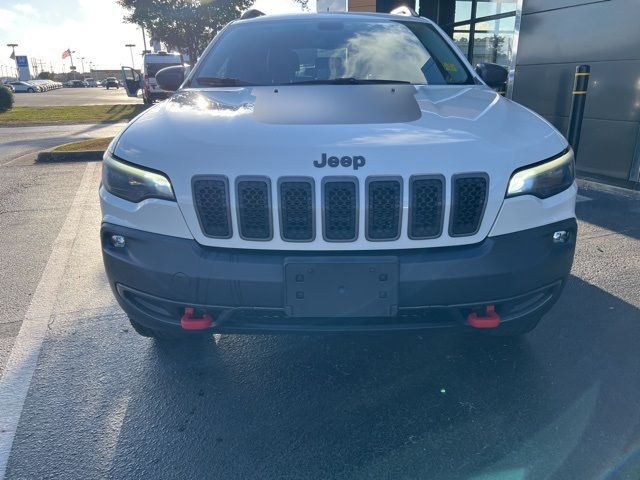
42, 85
91, 82
111, 82
9, 86
26, 87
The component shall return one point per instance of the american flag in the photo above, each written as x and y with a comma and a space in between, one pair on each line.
66, 53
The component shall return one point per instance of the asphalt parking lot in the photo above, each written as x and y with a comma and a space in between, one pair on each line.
95, 400
75, 96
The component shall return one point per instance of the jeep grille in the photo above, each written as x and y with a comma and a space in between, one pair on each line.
333, 212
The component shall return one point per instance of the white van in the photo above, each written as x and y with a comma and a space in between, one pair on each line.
152, 63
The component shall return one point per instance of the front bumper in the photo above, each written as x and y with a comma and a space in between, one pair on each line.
154, 277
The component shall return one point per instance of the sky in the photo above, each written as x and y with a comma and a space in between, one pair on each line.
44, 29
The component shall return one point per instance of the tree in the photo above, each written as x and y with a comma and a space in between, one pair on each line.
45, 76
6, 98
186, 25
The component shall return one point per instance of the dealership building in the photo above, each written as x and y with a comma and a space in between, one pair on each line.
541, 42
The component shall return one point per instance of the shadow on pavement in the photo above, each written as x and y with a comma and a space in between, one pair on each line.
617, 211
558, 404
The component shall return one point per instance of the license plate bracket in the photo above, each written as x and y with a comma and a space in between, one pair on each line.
341, 287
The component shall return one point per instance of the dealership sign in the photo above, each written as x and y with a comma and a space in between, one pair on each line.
22, 61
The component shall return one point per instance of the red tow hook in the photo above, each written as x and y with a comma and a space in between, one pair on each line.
491, 319
189, 323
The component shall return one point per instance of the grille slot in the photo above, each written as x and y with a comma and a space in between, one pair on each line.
384, 209
340, 210
254, 208
296, 210
469, 200
211, 197
426, 207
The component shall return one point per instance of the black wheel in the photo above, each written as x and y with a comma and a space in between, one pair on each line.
516, 328
30, 90
167, 336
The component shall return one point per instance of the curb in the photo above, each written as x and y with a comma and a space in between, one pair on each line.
79, 156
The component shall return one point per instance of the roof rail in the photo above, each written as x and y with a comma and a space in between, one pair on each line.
405, 11
251, 13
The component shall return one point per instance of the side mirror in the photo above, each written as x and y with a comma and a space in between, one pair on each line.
170, 78
493, 75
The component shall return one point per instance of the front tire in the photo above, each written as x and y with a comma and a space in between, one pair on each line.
30, 90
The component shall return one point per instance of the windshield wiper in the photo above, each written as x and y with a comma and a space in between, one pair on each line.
222, 82
350, 81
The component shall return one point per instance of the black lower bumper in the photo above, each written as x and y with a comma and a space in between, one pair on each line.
154, 277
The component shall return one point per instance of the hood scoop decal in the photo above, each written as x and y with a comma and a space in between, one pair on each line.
336, 104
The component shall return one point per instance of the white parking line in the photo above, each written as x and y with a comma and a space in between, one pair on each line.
31, 153
23, 359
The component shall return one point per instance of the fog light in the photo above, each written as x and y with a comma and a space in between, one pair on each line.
118, 241
561, 236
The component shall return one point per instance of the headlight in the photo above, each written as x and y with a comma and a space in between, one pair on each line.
134, 183
545, 179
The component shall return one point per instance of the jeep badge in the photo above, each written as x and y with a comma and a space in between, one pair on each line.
346, 161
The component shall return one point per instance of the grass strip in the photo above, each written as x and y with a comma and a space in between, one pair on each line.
69, 114
92, 144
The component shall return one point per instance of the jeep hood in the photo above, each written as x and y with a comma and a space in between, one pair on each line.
293, 125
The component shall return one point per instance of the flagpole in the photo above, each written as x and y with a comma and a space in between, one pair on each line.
71, 57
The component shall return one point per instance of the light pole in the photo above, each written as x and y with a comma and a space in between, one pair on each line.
13, 49
144, 38
131, 45
82, 63
13, 55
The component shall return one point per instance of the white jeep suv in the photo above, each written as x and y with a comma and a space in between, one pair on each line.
334, 173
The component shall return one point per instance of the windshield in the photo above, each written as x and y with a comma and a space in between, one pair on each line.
331, 51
